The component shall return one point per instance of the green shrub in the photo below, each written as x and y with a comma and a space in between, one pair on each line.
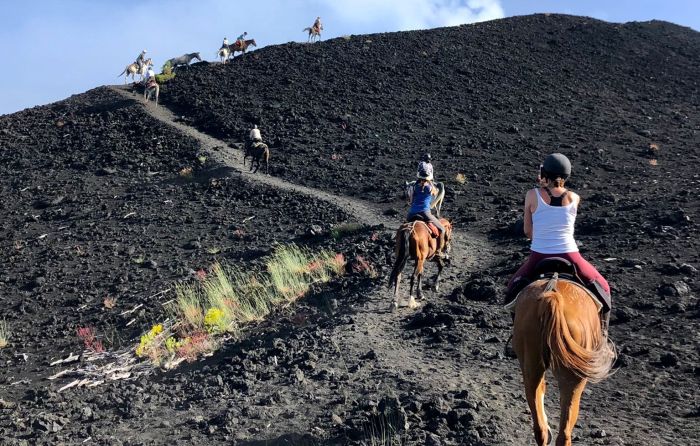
163, 78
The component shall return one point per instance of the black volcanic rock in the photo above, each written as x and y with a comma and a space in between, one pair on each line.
352, 116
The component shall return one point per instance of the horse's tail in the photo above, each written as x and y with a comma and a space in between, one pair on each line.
403, 251
120, 74
593, 361
306, 30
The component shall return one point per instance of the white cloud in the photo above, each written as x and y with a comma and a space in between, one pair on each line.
415, 14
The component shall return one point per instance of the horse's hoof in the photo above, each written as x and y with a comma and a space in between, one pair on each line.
412, 304
394, 306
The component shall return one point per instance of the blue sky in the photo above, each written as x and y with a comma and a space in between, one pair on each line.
55, 48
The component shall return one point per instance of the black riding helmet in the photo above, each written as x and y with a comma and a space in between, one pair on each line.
556, 166
426, 157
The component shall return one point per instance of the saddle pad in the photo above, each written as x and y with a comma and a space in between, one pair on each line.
434, 230
511, 306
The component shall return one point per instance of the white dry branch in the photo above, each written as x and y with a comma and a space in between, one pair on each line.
98, 368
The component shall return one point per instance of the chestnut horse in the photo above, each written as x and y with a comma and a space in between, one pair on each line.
415, 240
242, 47
557, 326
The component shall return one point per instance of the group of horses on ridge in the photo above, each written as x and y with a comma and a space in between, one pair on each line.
556, 324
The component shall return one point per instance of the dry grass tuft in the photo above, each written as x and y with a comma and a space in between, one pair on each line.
109, 302
185, 172
4, 334
225, 298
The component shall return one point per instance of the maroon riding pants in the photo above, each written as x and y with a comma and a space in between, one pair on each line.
585, 270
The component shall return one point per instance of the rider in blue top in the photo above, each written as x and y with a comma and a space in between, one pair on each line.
421, 197
241, 40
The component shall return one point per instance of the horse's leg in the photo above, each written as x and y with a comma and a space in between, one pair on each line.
157, 93
533, 378
396, 290
417, 274
441, 266
570, 390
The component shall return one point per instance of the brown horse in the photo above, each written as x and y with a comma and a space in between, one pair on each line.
240, 47
415, 240
557, 326
257, 151
314, 33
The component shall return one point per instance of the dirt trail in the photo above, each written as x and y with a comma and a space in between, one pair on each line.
233, 158
426, 370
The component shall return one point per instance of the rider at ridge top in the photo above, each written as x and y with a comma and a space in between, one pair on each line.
241, 39
317, 27
141, 59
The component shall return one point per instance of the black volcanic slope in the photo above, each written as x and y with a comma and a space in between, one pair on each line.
487, 100
93, 207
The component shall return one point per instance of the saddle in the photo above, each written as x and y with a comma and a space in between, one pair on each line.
565, 270
434, 231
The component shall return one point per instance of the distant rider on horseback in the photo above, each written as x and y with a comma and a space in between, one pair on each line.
150, 77
420, 198
224, 44
254, 134
317, 27
240, 41
550, 212
141, 59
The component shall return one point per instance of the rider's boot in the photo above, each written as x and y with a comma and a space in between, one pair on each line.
440, 250
515, 289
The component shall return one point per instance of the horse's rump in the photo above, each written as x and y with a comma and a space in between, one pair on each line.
569, 326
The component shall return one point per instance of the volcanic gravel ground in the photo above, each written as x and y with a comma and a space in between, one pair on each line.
489, 101
350, 116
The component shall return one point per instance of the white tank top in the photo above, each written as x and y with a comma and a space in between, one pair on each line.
553, 228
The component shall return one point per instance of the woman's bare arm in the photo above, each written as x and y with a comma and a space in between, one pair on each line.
527, 214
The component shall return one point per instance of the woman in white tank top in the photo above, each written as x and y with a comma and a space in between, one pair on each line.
549, 217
